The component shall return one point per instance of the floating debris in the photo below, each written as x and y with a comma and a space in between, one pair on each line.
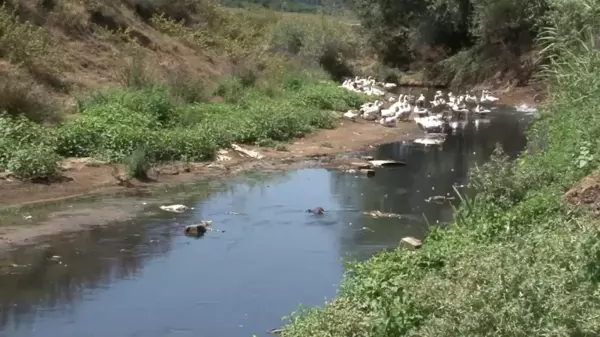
276, 331
440, 199
380, 214
316, 211
198, 229
174, 208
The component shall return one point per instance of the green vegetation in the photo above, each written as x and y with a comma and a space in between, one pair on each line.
279, 87
297, 6
517, 261
116, 123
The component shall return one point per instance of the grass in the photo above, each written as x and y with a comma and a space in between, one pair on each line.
278, 86
517, 261
114, 124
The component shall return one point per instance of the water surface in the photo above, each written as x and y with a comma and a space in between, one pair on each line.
144, 278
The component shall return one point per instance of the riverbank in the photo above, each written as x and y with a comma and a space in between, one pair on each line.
86, 176
83, 177
521, 257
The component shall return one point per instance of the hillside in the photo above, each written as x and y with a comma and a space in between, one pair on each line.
54, 50
98, 94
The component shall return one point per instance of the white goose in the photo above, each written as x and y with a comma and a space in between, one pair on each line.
471, 99
388, 121
481, 111
430, 124
487, 98
351, 115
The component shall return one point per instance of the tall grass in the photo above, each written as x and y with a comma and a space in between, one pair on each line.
516, 261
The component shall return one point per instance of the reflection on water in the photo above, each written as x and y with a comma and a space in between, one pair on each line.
143, 278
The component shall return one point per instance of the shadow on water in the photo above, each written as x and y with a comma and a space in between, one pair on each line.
144, 278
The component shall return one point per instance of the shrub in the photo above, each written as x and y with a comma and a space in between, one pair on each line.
22, 42
33, 162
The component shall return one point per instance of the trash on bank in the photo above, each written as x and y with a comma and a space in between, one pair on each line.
413, 242
249, 153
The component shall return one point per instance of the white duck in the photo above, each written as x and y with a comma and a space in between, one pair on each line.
351, 115
430, 124
487, 98
427, 141
391, 111
471, 99
421, 100
388, 121
480, 110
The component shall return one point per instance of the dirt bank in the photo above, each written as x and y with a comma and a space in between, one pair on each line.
82, 176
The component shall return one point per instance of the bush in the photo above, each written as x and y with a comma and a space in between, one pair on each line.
112, 124
33, 162
22, 42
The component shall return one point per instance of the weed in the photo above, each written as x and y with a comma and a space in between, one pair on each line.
138, 164
32, 162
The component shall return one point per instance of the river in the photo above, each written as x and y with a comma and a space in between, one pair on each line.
144, 278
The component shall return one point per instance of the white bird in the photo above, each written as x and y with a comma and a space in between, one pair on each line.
487, 98
388, 121
480, 110
351, 115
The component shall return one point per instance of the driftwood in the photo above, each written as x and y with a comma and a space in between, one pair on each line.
249, 153
276, 331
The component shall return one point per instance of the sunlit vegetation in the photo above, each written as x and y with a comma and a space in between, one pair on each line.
279, 85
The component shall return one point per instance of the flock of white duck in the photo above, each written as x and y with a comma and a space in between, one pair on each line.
445, 112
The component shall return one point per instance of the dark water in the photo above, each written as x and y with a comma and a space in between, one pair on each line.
143, 278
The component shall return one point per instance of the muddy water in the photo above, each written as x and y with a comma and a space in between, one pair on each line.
144, 278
